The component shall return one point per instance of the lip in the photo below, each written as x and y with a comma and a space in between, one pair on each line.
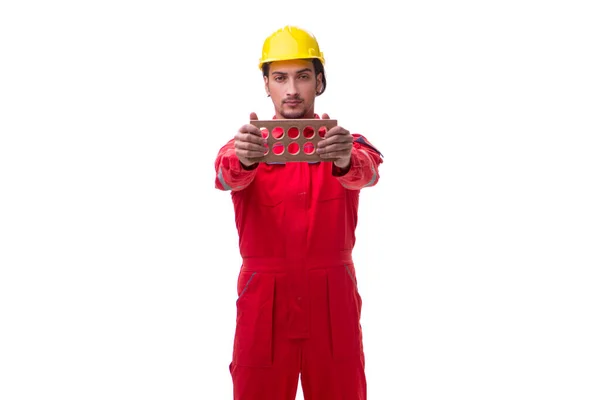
293, 102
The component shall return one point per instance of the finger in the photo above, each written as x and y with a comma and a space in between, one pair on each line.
341, 138
336, 147
250, 138
249, 146
335, 155
253, 116
335, 150
335, 139
249, 128
250, 155
325, 116
336, 130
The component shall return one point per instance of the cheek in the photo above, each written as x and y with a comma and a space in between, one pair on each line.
309, 89
276, 90
275, 96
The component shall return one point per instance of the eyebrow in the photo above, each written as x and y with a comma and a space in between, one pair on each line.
297, 72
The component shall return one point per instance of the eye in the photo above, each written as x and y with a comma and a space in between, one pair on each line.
279, 78
304, 77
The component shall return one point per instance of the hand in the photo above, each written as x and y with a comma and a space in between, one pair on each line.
249, 143
336, 146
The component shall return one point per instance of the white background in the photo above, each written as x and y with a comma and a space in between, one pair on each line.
477, 253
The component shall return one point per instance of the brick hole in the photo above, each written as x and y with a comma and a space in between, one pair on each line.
293, 148
278, 148
309, 148
322, 131
309, 132
277, 132
293, 133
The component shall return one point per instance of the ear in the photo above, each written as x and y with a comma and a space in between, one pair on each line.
266, 79
319, 83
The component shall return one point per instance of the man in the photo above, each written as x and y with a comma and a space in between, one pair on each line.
298, 310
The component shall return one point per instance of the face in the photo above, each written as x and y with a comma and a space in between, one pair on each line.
293, 87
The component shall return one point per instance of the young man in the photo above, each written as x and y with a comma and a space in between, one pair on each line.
298, 310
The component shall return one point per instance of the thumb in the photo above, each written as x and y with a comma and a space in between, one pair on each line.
253, 116
325, 116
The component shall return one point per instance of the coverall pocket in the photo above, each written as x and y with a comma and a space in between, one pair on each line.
344, 313
330, 192
270, 201
253, 341
271, 193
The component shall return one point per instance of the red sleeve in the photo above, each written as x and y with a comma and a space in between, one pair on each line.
364, 165
230, 173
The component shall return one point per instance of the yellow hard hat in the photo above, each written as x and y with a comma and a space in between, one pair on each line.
290, 43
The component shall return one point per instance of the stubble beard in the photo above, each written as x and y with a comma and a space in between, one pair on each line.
293, 114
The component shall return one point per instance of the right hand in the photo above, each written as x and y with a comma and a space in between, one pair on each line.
249, 143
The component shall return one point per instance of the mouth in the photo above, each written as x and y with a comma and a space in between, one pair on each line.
292, 102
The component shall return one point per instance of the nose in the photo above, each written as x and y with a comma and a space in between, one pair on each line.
291, 89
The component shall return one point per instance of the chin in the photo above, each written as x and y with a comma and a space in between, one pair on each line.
293, 114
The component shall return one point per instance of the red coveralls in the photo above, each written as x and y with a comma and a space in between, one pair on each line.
298, 310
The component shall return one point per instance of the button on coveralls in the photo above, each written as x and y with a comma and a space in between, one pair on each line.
298, 310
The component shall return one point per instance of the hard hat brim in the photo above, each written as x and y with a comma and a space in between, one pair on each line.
270, 60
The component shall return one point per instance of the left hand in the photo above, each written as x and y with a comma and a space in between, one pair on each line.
336, 146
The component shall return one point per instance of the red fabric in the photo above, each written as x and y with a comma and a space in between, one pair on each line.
298, 310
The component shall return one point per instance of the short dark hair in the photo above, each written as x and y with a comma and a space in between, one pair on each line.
319, 69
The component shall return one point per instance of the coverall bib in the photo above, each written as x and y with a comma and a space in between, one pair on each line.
298, 310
